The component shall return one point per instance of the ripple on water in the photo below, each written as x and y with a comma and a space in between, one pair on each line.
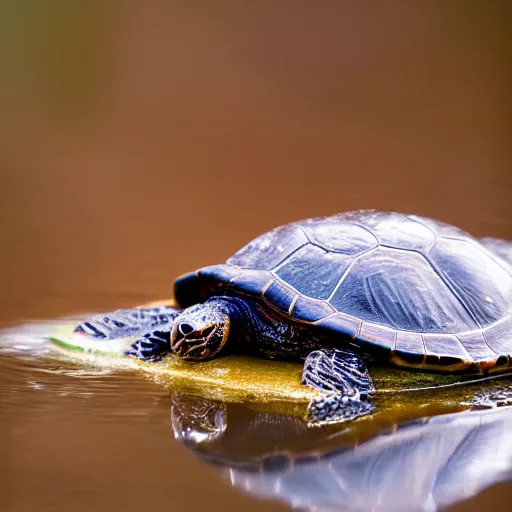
38, 379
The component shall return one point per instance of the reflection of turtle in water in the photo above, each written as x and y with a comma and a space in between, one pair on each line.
338, 292
421, 465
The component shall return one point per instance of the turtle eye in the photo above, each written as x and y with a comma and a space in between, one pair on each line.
185, 328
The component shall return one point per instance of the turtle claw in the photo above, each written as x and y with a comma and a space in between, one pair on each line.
89, 329
337, 408
344, 384
152, 347
141, 352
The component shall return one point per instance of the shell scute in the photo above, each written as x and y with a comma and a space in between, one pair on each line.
442, 229
314, 272
398, 230
499, 336
409, 347
483, 286
268, 250
280, 296
336, 236
376, 334
475, 345
445, 345
251, 282
399, 289
311, 311
340, 322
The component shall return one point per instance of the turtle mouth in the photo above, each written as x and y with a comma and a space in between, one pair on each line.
196, 345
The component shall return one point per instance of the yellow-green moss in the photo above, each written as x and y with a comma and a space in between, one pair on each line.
275, 386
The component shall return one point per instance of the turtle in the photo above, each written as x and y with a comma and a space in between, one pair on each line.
338, 293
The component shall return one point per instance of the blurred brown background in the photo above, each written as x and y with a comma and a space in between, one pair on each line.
140, 140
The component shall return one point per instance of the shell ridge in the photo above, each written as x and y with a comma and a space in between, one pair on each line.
506, 338
345, 274
277, 267
404, 249
484, 337
328, 250
454, 292
393, 347
420, 220
299, 227
424, 344
470, 357
331, 315
478, 246
383, 306
291, 287
498, 321
292, 304
367, 229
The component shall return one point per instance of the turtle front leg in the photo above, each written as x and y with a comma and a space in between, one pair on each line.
344, 381
128, 322
152, 346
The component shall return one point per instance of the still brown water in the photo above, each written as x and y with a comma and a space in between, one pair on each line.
140, 140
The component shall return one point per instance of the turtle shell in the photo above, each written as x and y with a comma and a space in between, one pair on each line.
427, 292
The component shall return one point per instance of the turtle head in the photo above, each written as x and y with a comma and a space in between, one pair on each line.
197, 420
201, 331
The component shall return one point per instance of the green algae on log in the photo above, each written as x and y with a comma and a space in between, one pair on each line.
275, 385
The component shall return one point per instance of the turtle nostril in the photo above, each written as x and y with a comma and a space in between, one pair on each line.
207, 331
185, 328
